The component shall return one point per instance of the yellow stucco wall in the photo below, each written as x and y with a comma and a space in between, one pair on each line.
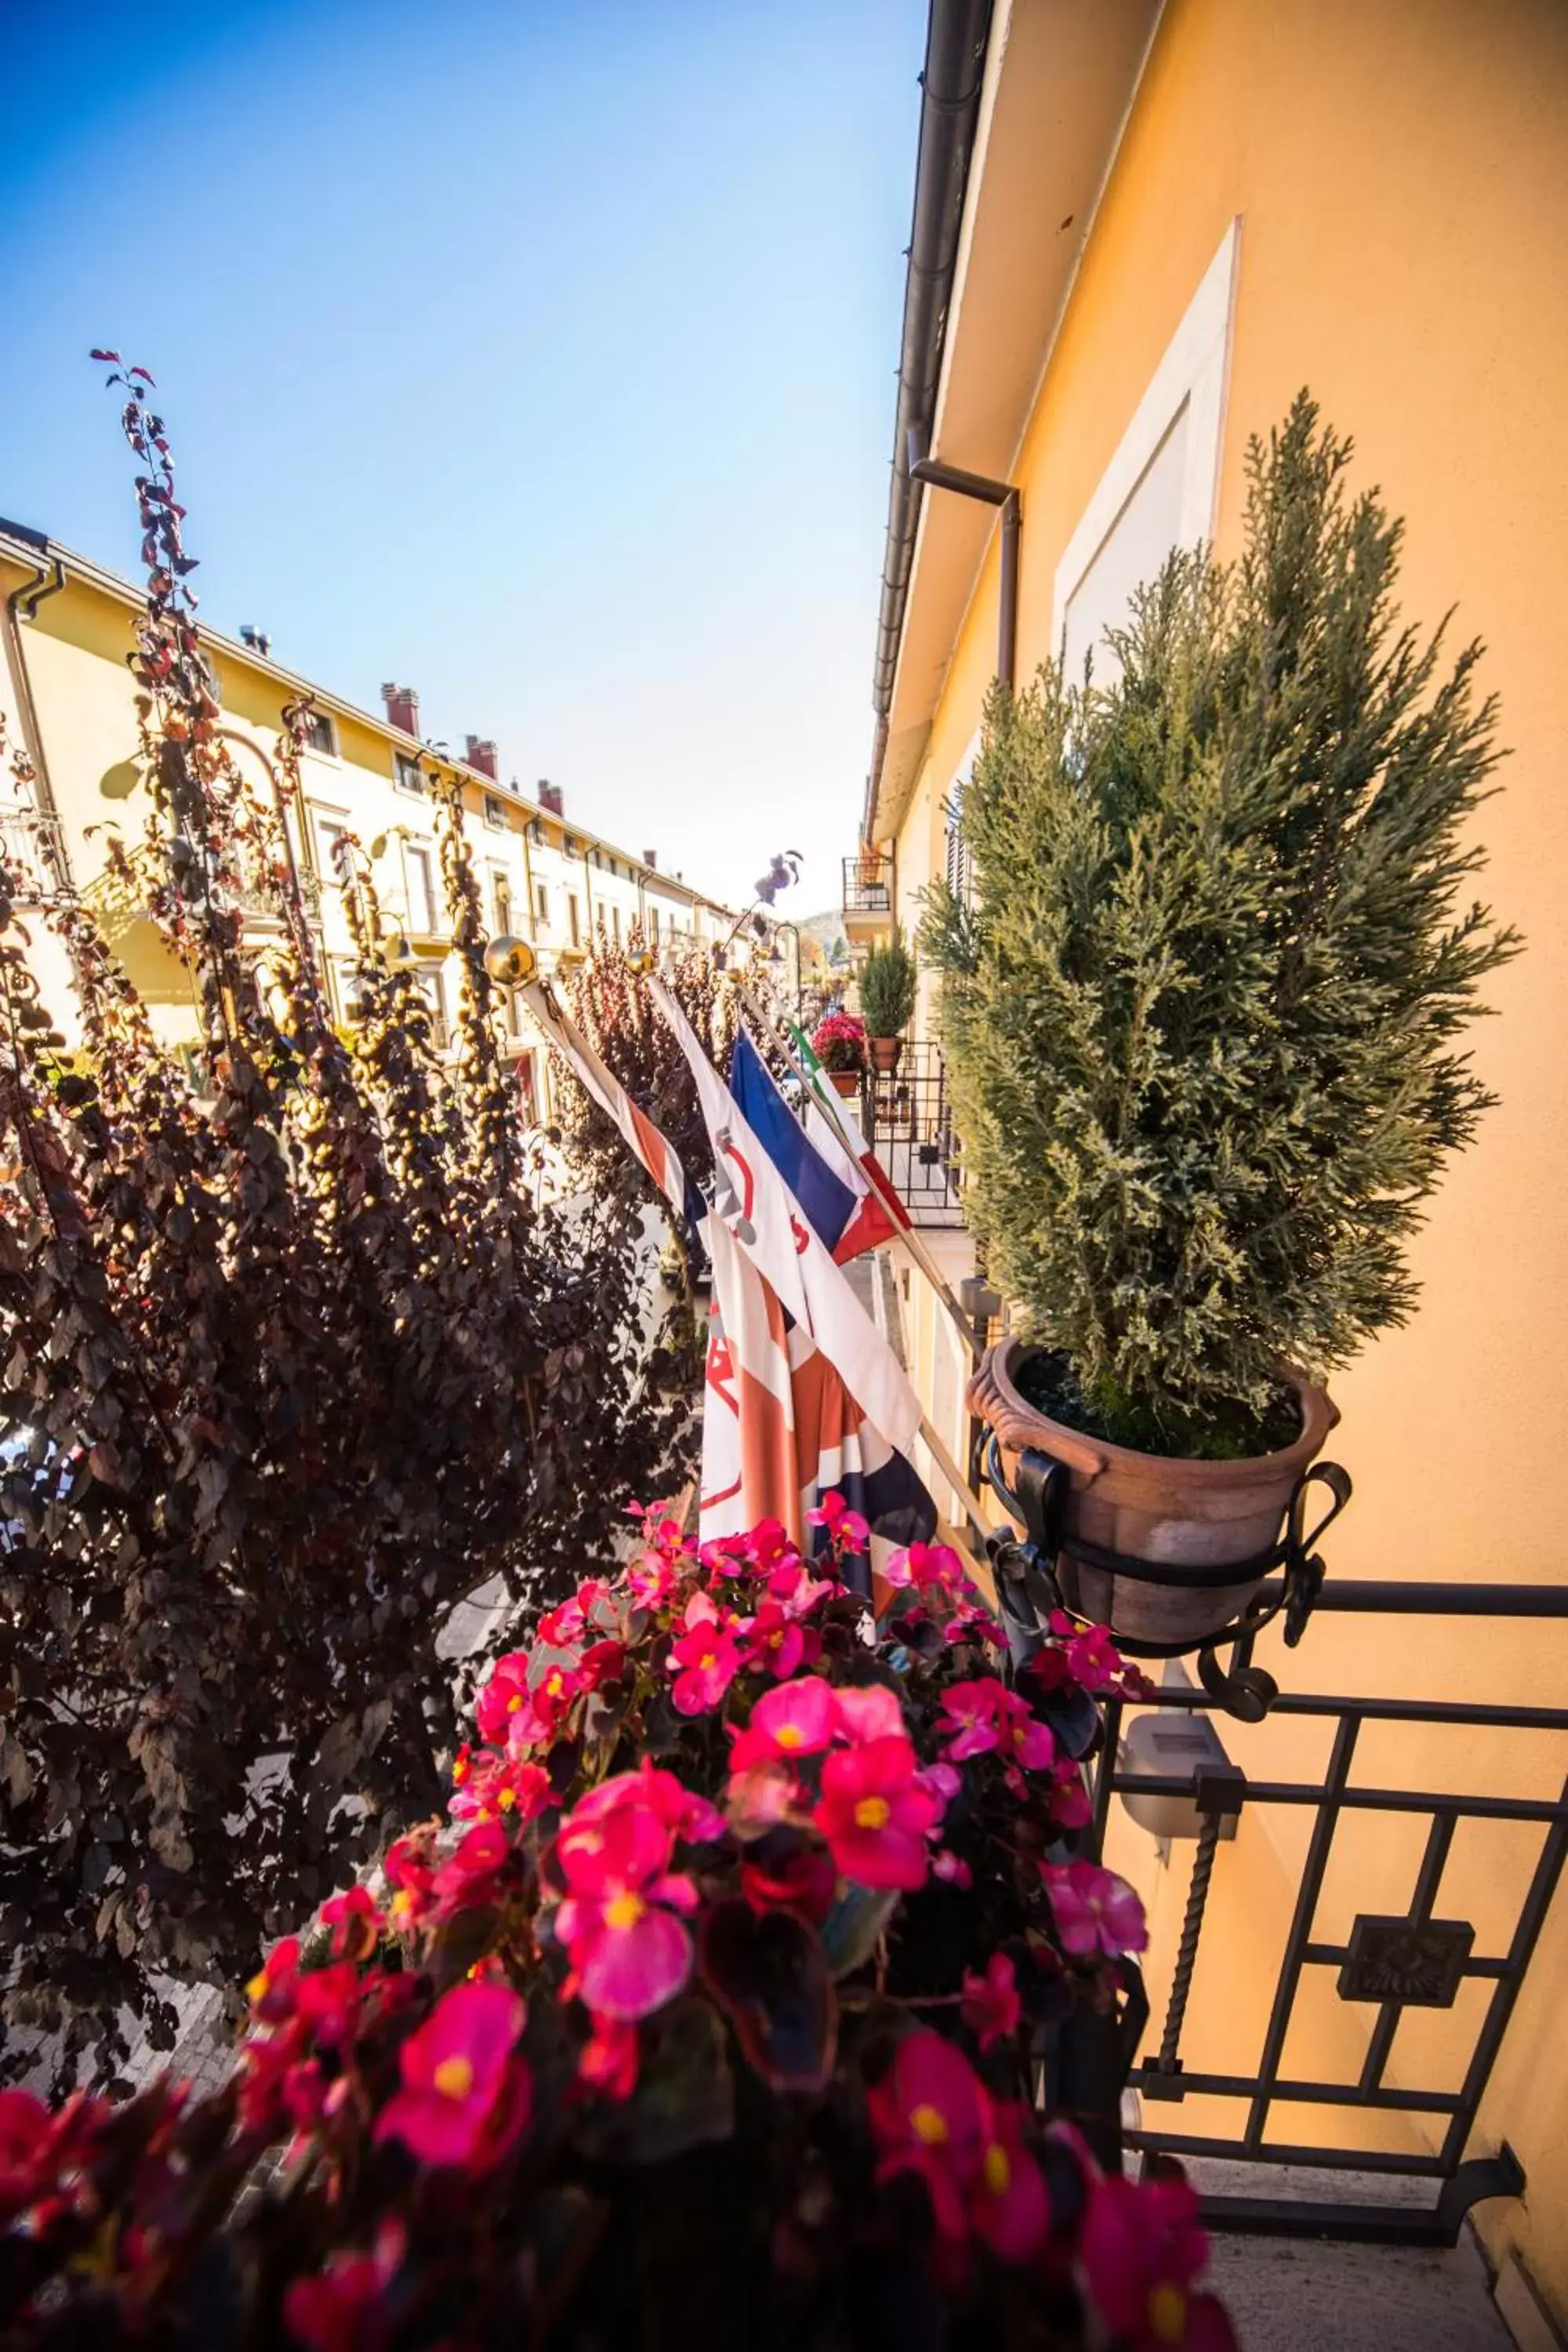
1400, 168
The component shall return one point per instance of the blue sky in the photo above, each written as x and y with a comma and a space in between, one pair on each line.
538, 356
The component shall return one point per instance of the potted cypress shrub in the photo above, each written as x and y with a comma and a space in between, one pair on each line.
888, 979
1199, 1017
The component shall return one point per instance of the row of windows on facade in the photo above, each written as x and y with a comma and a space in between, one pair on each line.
410, 777
422, 913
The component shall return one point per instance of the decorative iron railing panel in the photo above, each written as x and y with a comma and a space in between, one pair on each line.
1392, 1960
868, 886
34, 845
909, 1120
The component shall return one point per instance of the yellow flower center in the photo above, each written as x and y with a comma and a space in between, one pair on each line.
788, 1735
998, 2171
929, 2124
460, 1769
507, 1799
514, 1702
709, 1658
873, 1813
402, 1903
257, 1985
775, 1641
1168, 2314
624, 1911
552, 1681
454, 2078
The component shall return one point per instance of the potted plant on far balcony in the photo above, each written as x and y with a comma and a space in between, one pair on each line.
838, 1041
888, 979
1201, 1021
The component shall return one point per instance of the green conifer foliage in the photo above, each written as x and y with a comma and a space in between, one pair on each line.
1202, 1010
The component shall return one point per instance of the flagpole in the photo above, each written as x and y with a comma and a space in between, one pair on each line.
909, 1235
972, 1508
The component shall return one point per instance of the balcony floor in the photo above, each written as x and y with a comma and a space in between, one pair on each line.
1292, 2295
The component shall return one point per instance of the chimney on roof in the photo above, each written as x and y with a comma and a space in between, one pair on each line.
402, 708
257, 639
650, 857
482, 755
551, 797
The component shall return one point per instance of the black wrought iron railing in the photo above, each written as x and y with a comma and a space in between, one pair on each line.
1399, 1953
868, 885
909, 1118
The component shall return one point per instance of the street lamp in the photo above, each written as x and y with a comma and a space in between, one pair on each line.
776, 956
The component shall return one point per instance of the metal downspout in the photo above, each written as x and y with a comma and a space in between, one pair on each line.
48, 580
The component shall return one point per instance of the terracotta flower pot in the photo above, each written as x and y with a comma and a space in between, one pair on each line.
845, 1083
1152, 1506
885, 1051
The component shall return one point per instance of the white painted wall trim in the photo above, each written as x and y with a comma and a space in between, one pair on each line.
1195, 373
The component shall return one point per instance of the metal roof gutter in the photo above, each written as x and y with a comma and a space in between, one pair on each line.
956, 37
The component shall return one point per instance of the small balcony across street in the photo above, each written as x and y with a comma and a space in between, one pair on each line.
868, 896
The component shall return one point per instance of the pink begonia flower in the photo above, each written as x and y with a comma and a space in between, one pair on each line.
567, 1622
465, 2098
775, 1642
928, 2116
501, 1789
629, 1951
925, 1565
1070, 1805
796, 1591
610, 2058
971, 1718
792, 1719
846, 1529
1141, 2249
952, 1869
984, 1714
270, 1991
1008, 2203
972, 1624
868, 1711
467, 1876
553, 1693
705, 1660
769, 1543
990, 2004
506, 1693
943, 1780
651, 1581
355, 1921
411, 1877
327, 2001
684, 1813
727, 1556
344, 2309
875, 1814
1095, 1911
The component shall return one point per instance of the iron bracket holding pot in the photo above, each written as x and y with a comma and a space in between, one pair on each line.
1029, 1585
